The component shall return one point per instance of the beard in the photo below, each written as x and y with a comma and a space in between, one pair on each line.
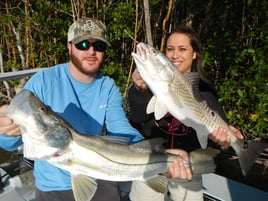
77, 62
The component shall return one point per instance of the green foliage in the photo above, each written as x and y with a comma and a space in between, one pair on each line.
244, 92
115, 71
242, 71
120, 28
122, 17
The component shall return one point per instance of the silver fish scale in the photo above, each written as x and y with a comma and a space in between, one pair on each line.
201, 111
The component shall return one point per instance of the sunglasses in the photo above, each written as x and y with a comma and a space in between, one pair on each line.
99, 46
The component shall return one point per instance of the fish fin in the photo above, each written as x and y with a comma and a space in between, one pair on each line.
116, 139
155, 144
160, 110
151, 105
84, 187
158, 184
247, 152
202, 138
157, 107
202, 160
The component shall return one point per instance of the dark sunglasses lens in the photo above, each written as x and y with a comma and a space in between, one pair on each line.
83, 45
99, 46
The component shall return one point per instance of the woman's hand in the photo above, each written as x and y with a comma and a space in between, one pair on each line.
177, 168
7, 126
138, 81
221, 137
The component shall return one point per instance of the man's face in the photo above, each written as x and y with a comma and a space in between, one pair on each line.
87, 56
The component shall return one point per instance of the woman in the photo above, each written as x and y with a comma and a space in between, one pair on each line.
183, 48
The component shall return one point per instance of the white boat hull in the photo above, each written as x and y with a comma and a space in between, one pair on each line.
218, 188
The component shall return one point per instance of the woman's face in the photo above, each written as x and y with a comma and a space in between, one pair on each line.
180, 51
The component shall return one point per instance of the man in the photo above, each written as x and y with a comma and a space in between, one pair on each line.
87, 99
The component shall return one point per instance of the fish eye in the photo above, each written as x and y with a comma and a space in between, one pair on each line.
212, 113
42, 109
154, 51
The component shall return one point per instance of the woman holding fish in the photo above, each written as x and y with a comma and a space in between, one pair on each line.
184, 50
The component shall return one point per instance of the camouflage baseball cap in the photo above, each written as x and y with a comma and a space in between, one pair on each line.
87, 28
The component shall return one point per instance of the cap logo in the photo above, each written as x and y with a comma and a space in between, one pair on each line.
88, 26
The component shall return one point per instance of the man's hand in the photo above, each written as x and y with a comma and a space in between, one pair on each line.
7, 125
177, 168
221, 137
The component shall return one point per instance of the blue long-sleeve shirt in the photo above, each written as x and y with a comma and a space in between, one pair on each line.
85, 106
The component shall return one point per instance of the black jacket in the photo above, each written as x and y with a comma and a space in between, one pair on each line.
175, 134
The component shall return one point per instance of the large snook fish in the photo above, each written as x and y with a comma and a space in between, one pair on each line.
174, 94
47, 136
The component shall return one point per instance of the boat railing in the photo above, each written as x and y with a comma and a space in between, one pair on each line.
18, 74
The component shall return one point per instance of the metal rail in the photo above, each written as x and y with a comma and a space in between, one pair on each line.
18, 74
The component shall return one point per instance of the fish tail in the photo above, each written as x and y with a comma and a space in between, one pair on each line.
247, 152
202, 160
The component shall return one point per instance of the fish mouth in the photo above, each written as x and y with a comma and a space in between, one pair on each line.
141, 52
